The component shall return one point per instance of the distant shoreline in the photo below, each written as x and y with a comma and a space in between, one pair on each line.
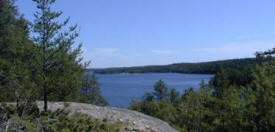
155, 73
211, 67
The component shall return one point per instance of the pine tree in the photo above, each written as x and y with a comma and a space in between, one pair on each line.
174, 95
160, 90
17, 53
95, 93
260, 99
60, 67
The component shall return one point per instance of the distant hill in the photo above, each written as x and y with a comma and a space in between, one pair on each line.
196, 68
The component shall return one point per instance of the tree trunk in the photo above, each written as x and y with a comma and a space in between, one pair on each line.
45, 100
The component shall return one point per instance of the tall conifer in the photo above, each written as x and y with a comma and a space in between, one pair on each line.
61, 70
16, 55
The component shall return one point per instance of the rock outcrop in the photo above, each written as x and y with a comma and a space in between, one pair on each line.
131, 120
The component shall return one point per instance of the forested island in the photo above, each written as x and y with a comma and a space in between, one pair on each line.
197, 68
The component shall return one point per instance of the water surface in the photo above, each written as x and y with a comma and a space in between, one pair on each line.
120, 89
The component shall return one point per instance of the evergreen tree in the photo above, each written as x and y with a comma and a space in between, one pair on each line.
95, 93
260, 99
147, 105
148, 97
90, 91
166, 112
240, 99
174, 95
160, 90
17, 53
60, 67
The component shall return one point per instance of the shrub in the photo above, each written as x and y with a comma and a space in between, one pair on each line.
58, 120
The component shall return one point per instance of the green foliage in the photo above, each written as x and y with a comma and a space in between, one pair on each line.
16, 54
260, 99
174, 95
57, 121
160, 90
46, 67
158, 103
90, 91
241, 99
77, 122
60, 69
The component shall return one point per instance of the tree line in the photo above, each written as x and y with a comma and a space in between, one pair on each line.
238, 99
196, 68
38, 61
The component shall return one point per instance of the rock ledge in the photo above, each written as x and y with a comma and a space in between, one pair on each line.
131, 120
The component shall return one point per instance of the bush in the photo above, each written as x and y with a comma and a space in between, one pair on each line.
58, 120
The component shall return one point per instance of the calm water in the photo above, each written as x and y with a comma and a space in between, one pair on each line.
120, 89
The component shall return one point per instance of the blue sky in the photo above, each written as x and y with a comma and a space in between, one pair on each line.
119, 33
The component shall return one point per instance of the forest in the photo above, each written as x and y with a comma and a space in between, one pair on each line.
195, 68
236, 99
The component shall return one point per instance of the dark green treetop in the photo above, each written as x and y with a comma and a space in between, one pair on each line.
16, 55
160, 90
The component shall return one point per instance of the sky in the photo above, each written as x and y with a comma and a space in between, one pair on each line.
119, 33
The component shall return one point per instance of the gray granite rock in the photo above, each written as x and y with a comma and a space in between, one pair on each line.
131, 120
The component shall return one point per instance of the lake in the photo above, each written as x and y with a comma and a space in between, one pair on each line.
120, 89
